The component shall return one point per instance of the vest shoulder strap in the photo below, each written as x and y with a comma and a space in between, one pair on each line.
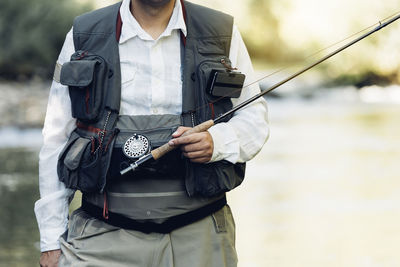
209, 32
95, 23
207, 23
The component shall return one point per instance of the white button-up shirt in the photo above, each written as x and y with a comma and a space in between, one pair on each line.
151, 84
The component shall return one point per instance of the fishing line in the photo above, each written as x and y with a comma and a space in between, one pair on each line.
306, 58
326, 48
204, 126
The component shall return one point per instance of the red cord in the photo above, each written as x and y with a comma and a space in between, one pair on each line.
105, 206
212, 110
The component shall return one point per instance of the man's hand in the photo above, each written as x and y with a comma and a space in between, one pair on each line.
198, 147
50, 258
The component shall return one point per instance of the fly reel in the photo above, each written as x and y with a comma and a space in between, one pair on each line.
136, 146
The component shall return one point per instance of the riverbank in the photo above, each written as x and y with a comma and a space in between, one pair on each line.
23, 105
324, 190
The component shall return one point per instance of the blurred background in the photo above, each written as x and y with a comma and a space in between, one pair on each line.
325, 189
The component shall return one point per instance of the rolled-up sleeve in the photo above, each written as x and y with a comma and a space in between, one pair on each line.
243, 136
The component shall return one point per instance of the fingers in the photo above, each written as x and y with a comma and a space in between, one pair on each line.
50, 258
198, 147
189, 139
180, 131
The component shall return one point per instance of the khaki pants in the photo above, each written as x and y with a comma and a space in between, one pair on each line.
209, 242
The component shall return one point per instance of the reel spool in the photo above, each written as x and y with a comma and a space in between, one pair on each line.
136, 146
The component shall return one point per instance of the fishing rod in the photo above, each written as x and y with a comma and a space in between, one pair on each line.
164, 149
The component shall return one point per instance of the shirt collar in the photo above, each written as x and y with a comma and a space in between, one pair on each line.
131, 27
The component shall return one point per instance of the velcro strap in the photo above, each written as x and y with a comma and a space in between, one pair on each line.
57, 72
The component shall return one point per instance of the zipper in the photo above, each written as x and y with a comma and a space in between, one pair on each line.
103, 132
192, 117
154, 144
83, 54
220, 61
147, 130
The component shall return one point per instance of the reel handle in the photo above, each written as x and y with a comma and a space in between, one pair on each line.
164, 149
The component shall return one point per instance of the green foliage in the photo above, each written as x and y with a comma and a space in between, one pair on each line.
262, 34
32, 33
362, 79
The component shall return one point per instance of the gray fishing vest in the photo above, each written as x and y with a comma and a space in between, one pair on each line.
148, 195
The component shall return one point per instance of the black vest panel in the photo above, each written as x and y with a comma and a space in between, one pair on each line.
207, 43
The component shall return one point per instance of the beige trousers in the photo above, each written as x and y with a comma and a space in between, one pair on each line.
209, 242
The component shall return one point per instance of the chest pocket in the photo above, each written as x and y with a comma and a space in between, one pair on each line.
86, 75
211, 54
128, 73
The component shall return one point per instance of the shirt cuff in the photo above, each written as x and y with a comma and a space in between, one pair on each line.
52, 217
47, 239
226, 143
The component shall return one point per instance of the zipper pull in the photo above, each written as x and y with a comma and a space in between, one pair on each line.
81, 54
227, 65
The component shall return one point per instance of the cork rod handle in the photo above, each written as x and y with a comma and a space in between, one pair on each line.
164, 149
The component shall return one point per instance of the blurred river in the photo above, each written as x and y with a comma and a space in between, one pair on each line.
324, 191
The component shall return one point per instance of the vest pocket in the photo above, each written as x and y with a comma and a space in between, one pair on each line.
85, 76
210, 106
165, 167
79, 164
213, 179
148, 130
69, 160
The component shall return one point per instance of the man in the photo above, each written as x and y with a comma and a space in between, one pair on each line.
182, 219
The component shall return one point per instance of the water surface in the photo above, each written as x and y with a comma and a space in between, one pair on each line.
324, 191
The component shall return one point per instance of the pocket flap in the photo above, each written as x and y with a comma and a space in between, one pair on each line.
74, 155
78, 73
211, 47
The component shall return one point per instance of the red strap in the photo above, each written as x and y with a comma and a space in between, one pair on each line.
87, 97
184, 10
89, 128
93, 144
109, 141
119, 27
183, 37
212, 110
105, 206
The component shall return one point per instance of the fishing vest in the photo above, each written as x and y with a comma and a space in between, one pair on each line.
161, 195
